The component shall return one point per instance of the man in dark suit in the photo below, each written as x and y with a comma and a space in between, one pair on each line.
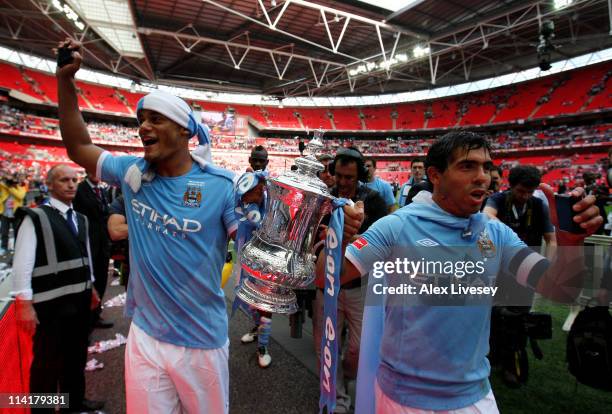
91, 200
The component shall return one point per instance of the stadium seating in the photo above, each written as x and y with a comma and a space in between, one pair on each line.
572, 92
254, 112
314, 118
410, 116
12, 78
102, 98
346, 118
582, 90
48, 89
480, 108
281, 117
443, 113
377, 118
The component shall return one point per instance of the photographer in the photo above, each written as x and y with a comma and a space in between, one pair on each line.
527, 215
12, 193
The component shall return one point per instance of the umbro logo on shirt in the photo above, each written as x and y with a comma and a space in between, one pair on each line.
427, 242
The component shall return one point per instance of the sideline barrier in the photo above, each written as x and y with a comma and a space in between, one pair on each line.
15, 356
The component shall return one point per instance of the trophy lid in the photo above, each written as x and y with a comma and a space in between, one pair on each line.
305, 178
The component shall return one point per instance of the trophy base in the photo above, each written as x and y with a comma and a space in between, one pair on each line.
268, 297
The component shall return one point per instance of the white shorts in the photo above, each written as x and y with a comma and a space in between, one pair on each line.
385, 405
169, 379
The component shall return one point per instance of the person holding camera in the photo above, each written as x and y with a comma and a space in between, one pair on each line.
529, 217
434, 358
12, 194
180, 217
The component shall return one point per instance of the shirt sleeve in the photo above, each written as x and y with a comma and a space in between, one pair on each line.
375, 244
547, 225
229, 215
520, 261
492, 202
111, 169
24, 259
389, 197
117, 206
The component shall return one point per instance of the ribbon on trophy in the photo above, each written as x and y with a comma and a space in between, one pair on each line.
250, 216
329, 339
369, 356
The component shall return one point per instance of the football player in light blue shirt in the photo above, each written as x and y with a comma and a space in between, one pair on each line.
433, 358
378, 184
417, 174
180, 214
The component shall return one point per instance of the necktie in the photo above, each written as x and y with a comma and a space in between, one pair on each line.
98, 193
70, 221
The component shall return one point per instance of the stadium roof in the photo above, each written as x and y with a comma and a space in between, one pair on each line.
302, 48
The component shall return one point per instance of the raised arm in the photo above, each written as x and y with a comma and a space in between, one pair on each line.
72, 126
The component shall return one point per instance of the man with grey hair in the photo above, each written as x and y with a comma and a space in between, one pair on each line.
53, 290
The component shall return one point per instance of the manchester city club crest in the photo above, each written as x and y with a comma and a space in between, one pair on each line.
485, 245
193, 195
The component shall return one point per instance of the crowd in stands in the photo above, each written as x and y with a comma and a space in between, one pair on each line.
18, 122
32, 161
582, 90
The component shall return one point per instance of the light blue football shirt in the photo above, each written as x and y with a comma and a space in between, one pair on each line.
178, 233
434, 357
403, 192
384, 189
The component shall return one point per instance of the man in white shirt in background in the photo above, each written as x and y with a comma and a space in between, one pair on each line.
53, 287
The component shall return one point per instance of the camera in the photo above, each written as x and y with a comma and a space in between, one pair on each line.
548, 29
565, 213
546, 47
538, 325
64, 56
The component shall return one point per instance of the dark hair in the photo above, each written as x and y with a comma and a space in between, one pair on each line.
417, 159
348, 155
499, 170
259, 148
441, 152
589, 178
324, 157
527, 175
371, 159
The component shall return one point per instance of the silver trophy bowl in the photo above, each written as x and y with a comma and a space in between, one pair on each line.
279, 255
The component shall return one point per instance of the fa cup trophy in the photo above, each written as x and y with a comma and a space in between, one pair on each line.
279, 255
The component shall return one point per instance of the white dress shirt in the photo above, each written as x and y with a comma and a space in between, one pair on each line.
25, 252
